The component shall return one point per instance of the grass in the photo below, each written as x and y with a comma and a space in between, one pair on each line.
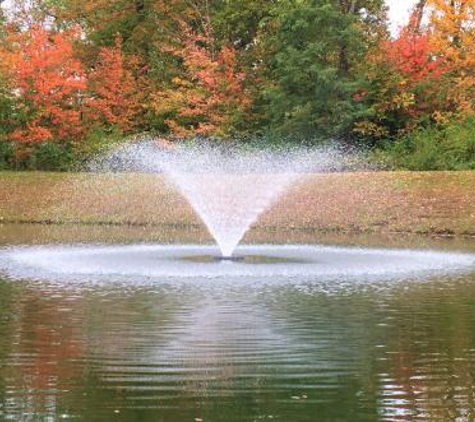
433, 203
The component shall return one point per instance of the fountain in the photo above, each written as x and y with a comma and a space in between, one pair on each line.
229, 188
167, 330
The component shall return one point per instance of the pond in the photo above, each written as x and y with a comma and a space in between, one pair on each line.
154, 349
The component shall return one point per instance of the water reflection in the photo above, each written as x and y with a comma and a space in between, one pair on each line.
165, 353
237, 352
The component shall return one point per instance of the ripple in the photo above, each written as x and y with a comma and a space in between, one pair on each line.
193, 262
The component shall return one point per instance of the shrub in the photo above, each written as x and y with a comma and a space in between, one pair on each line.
7, 155
447, 147
51, 156
97, 142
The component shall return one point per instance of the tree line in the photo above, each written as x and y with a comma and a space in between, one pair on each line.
78, 75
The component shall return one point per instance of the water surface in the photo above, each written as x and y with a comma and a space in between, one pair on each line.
158, 350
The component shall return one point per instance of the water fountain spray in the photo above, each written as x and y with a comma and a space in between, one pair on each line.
228, 186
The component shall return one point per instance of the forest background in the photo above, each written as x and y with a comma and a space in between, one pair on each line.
79, 76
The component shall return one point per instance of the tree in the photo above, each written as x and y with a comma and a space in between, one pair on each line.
311, 88
145, 29
239, 22
412, 55
49, 82
452, 27
7, 99
32, 13
114, 92
417, 16
407, 82
211, 91
7, 109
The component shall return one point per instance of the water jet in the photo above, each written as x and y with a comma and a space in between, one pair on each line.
228, 186
222, 258
229, 189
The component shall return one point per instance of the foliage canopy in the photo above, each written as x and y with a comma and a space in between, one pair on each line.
303, 69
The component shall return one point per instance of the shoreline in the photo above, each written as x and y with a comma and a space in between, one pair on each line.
435, 204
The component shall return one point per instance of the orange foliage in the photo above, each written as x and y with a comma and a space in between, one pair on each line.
114, 90
411, 54
49, 81
452, 35
409, 82
211, 91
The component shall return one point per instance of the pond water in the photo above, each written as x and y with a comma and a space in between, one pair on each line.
150, 348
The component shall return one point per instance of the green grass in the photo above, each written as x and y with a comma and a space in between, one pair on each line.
434, 203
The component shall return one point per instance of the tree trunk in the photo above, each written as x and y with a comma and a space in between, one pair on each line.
456, 35
346, 7
418, 14
344, 65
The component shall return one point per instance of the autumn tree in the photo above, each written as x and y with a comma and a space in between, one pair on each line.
144, 28
211, 91
113, 89
7, 98
49, 81
406, 82
452, 29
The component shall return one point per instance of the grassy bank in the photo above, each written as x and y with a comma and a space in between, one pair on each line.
433, 203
